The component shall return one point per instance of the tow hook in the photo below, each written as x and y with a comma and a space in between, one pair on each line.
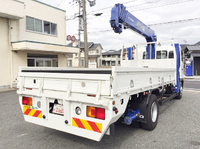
131, 115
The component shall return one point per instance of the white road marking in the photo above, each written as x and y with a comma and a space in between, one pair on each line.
22, 135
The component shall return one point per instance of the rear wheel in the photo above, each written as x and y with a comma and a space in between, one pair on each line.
152, 114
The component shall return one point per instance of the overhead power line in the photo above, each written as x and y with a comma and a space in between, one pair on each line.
177, 21
145, 8
153, 1
60, 3
163, 23
161, 5
111, 6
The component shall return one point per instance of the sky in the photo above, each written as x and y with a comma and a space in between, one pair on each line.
155, 13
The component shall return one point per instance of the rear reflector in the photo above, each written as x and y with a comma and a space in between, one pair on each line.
146, 93
27, 101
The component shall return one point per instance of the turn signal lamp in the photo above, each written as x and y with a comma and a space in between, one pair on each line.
27, 101
94, 112
91, 112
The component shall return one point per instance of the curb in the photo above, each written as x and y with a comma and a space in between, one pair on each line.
7, 90
198, 78
191, 90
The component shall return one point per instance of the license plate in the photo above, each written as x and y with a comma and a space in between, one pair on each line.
58, 109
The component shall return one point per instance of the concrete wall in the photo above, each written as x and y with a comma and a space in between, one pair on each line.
18, 59
9, 31
4, 53
13, 28
62, 61
11, 9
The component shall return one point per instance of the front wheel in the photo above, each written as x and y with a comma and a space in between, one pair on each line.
180, 94
152, 114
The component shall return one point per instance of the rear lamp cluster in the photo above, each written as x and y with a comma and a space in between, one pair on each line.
95, 112
27, 101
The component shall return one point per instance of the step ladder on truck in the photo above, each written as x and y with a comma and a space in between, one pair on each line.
87, 102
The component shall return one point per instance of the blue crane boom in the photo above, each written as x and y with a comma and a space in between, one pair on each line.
119, 16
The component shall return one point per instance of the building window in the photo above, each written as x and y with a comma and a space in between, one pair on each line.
82, 63
69, 63
55, 62
39, 60
104, 63
53, 29
38, 25
48, 63
91, 51
33, 24
46, 27
97, 51
30, 23
113, 63
119, 62
39, 63
31, 62
69, 55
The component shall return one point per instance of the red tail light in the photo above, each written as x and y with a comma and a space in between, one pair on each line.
91, 95
27, 101
100, 113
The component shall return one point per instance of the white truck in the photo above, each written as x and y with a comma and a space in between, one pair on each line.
87, 102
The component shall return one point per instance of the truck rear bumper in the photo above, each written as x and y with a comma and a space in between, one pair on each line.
59, 124
69, 121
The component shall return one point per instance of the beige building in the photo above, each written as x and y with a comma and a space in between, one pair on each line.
32, 34
94, 55
111, 58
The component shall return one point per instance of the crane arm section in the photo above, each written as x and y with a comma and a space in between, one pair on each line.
119, 16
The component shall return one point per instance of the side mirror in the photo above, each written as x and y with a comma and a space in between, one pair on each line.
171, 54
188, 54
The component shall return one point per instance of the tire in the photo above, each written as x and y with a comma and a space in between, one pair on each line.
180, 94
152, 112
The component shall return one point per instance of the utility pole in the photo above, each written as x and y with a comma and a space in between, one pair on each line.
79, 33
85, 34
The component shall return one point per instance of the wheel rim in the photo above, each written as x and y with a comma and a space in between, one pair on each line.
154, 112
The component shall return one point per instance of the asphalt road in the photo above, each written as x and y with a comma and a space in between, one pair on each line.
192, 84
178, 127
